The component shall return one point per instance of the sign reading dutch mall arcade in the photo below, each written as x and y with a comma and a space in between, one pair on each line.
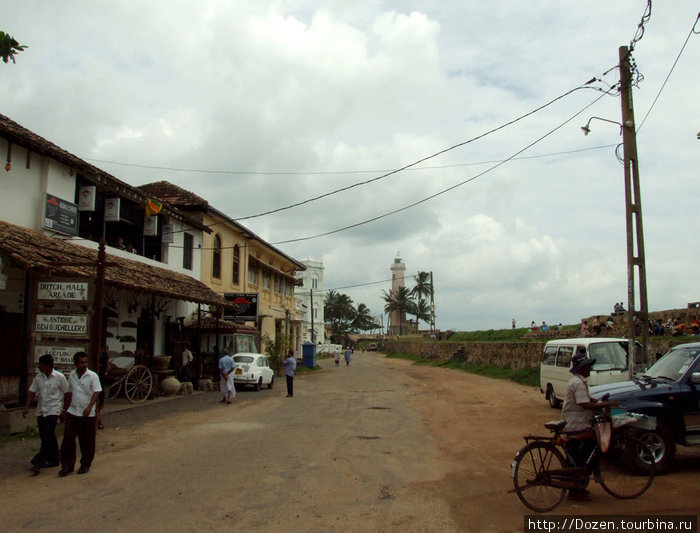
76, 291
242, 306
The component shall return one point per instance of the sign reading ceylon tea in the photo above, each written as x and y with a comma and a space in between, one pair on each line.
63, 290
60, 325
62, 355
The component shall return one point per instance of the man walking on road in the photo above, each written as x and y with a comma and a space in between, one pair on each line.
226, 384
79, 412
50, 388
348, 355
290, 366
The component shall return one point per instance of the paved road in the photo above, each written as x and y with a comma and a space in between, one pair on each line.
339, 456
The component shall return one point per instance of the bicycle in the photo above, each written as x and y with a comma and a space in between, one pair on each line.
542, 470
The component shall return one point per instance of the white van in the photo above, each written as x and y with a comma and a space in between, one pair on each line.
610, 366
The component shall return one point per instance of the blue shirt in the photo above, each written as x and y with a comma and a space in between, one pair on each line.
290, 365
225, 364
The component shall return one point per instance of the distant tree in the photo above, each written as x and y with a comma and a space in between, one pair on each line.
402, 301
9, 47
363, 320
339, 312
421, 291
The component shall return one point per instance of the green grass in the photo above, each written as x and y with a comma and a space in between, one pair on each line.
498, 335
524, 376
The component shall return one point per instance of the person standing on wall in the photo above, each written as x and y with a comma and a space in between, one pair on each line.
50, 388
79, 413
290, 366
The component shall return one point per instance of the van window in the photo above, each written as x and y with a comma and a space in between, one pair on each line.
550, 355
564, 357
608, 356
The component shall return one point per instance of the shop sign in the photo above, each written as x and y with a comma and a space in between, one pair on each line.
73, 325
112, 206
60, 216
63, 290
242, 306
86, 198
150, 226
62, 355
168, 234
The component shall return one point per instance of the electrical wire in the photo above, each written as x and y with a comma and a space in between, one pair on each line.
439, 193
693, 31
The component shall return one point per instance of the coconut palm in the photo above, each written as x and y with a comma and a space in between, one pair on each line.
401, 301
338, 311
422, 288
363, 320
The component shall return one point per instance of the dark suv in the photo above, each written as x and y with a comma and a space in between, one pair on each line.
669, 393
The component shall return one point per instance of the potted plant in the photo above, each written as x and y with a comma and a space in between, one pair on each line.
276, 350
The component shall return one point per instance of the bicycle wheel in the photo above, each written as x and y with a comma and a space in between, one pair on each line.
531, 476
617, 472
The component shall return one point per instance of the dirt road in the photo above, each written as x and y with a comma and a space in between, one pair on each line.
381, 445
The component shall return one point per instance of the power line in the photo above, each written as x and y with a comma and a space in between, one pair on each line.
414, 204
693, 30
436, 154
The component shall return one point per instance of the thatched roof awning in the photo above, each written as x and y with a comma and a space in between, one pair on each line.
209, 324
30, 250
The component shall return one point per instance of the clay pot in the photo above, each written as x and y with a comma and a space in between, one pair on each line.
169, 386
161, 363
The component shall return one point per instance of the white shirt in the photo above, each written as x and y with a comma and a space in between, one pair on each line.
49, 391
186, 357
83, 388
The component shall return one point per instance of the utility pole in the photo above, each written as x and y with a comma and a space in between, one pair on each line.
311, 297
432, 316
633, 215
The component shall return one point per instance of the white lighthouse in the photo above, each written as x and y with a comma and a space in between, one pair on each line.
397, 319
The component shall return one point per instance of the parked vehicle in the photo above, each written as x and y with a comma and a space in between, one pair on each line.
252, 369
610, 366
372, 347
669, 393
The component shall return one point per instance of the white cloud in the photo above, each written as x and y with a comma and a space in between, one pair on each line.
310, 87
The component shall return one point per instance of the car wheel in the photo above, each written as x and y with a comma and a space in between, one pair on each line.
661, 444
258, 385
272, 382
554, 402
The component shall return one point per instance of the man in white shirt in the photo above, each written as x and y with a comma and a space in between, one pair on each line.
79, 412
49, 388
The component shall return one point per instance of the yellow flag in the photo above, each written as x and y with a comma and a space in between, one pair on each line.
153, 207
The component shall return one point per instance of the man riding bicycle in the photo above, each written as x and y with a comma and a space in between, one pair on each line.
577, 412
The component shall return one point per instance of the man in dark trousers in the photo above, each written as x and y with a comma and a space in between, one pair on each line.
79, 412
50, 388
290, 366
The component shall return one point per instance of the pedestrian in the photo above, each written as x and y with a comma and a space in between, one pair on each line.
79, 412
584, 329
186, 360
513, 324
50, 388
226, 384
348, 355
336, 356
290, 366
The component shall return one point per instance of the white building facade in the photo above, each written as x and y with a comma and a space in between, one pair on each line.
311, 296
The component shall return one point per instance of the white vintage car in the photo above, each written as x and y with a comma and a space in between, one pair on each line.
252, 369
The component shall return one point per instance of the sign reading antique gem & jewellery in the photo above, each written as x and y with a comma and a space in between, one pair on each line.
60, 325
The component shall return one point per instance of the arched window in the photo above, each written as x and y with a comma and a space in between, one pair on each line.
236, 265
216, 260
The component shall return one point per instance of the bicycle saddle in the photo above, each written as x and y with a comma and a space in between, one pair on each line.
555, 426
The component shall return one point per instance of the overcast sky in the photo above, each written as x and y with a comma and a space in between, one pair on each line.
280, 101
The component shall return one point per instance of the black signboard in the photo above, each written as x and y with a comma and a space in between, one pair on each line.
242, 306
60, 216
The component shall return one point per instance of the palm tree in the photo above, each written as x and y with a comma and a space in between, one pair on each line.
421, 291
401, 301
338, 311
422, 288
363, 319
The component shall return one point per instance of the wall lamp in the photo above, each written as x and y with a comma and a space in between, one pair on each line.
586, 129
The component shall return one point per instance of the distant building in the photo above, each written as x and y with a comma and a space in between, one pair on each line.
311, 297
397, 318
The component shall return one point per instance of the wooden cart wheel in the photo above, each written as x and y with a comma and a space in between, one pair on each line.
138, 384
112, 390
